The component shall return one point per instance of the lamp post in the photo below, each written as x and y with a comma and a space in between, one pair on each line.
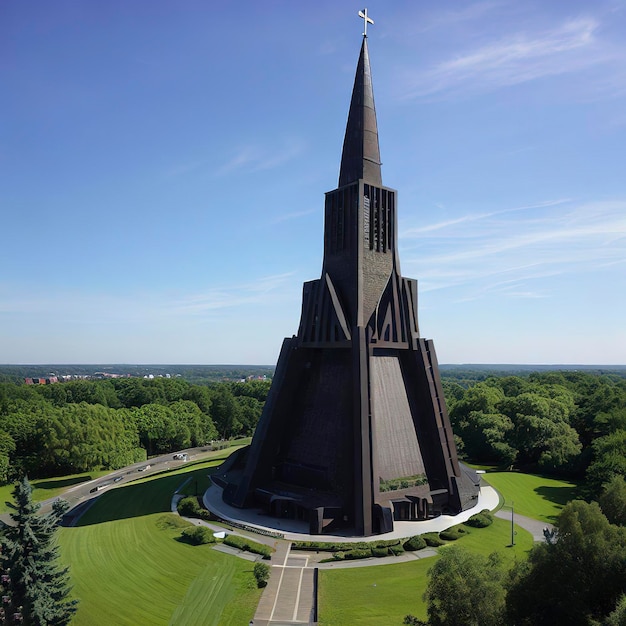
510, 506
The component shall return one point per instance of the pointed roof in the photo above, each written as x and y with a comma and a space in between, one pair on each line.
361, 155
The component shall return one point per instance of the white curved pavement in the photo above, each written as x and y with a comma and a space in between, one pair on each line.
294, 530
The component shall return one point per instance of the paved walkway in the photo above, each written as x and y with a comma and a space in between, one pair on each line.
290, 593
533, 526
289, 598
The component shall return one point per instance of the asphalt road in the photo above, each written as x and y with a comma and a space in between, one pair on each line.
82, 493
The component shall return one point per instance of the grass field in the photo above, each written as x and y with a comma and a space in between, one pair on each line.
535, 496
44, 488
128, 568
384, 594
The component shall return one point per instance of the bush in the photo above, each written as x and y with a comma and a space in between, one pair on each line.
452, 534
261, 573
414, 543
198, 535
190, 507
480, 520
379, 551
243, 543
357, 554
432, 540
396, 550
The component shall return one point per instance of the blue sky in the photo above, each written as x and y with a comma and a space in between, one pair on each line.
163, 167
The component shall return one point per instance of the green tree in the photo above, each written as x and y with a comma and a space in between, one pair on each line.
7, 447
609, 459
618, 616
82, 437
250, 410
35, 586
225, 412
543, 435
156, 427
613, 501
201, 396
465, 589
575, 579
485, 436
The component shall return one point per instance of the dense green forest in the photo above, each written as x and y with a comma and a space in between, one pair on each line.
64, 428
565, 423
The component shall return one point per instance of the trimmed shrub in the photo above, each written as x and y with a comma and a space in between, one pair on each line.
261, 573
396, 550
190, 507
432, 540
452, 534
414, 543
343, 546
357, 554
378, 551
198, 535
243, 543
480, 520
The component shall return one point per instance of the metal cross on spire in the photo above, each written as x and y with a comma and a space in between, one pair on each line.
366, 19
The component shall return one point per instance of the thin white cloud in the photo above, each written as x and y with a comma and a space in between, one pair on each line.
446, 18
419, 231
293, 216
517, 58
256, 158
107, 308
490, 251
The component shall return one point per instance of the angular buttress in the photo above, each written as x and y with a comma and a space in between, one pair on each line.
355, 432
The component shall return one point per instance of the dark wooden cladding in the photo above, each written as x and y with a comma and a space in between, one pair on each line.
356, 401
379, 205
340, 212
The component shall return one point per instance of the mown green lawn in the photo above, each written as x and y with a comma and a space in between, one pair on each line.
128, 568
382, 595
535, 496
44, 488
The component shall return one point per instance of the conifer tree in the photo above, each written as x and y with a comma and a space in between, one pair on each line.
35, 589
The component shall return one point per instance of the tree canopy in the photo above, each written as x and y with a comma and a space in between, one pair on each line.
35, 589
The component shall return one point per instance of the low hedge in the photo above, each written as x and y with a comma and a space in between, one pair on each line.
432, 540
452, 534
243, 543
396, 550
353, 555
414, 543
343, 546
480, 520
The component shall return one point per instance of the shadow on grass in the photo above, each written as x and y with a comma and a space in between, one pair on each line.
133, 500
145, 497
557, 495
60, 483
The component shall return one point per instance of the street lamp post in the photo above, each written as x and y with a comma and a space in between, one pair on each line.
510, 506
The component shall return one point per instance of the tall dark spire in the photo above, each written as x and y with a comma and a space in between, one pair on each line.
361, 156
356, 406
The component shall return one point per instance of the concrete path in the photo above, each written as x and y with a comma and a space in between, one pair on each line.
289, 595
533, 526
294, 530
